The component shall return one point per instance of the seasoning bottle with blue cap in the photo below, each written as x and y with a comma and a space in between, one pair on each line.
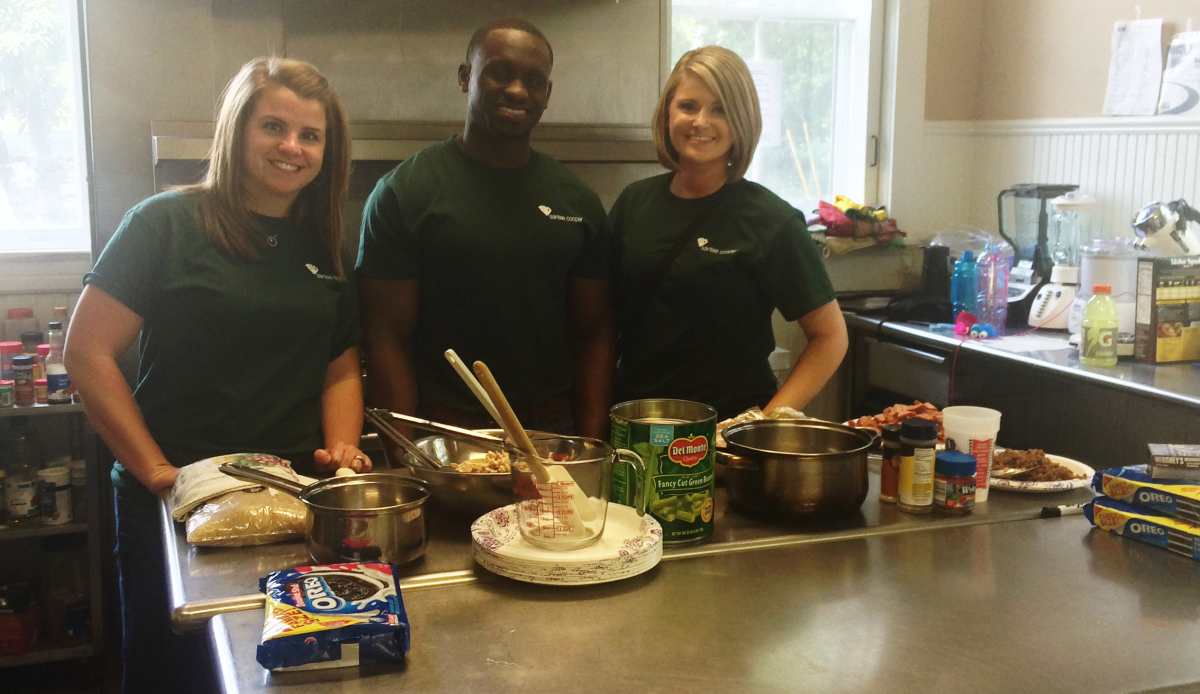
954, 482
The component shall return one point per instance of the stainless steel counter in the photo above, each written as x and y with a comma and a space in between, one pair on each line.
879, 601
1176, 384
1045, 605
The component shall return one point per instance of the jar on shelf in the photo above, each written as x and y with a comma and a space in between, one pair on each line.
79, 504
66, 605
20, 320
39, 369
30, 341
24, 389
7, 398
19, 617
8, 350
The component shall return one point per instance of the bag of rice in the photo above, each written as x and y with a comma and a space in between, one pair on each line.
248, 517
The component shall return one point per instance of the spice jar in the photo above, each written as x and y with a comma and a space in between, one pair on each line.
954, 482
8, 350
889, 467
41, 394
918, 441
39, 369
29, 342
6, 393
23, 387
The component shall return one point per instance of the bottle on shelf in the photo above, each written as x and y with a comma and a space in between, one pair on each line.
21, 484
992, 301
20, 320
1098, 346
58, 382
964, 284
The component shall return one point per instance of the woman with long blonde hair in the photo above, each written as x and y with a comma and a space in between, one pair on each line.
248, 329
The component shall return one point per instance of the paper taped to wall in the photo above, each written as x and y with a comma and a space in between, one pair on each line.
1135, 71
1181, 79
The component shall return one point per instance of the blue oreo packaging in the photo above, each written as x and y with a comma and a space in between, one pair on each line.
1133, 485
1144, 526
333, 616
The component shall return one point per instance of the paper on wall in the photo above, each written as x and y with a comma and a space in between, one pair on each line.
768, 82
1181, 79
1135, 71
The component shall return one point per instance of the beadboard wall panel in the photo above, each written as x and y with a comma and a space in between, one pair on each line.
1125, 163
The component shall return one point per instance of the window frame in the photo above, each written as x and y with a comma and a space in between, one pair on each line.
856, 161
47, 271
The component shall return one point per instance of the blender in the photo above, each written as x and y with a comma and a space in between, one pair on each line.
1070, 226
1028, 234
1113, 262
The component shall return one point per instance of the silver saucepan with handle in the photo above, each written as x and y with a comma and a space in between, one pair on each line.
368, 517
796, 469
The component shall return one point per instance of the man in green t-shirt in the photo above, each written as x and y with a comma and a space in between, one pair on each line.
482, 245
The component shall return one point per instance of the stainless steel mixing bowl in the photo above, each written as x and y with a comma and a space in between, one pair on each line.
464, 493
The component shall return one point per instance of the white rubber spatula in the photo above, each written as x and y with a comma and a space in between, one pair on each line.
541, 472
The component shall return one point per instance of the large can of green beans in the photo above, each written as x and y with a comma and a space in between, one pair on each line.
675, 439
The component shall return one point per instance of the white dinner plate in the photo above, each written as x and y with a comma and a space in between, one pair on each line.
631, 545
1046, 487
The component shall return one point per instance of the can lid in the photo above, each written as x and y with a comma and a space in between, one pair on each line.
20, 313
917, 428
8, 382
39, 382
23, 360
891, 432
43, 350
955, 464
1102, 289
54, 325
32, 336
10, 347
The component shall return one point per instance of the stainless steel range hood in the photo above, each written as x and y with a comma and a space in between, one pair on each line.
396, 141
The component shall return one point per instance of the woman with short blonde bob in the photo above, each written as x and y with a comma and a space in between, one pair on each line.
703, 257
248, 330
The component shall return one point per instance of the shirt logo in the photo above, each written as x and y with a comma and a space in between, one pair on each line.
703, 244
549, 213
317, 272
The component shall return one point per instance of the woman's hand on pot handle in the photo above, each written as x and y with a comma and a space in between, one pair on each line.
341, 455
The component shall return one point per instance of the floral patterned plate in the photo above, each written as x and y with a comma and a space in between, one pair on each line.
1045, 487
631, 545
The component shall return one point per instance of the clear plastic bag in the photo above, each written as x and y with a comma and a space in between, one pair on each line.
249, 517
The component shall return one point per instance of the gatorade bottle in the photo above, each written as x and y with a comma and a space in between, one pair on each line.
1099, 344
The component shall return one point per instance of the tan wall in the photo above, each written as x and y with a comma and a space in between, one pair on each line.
1034, 58
952, 60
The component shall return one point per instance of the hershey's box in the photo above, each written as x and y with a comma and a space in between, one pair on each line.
1167, 316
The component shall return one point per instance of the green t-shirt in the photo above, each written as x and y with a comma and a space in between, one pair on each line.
706, 334
233, 353
494, 251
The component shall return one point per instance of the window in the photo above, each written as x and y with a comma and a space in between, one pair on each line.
812, 65
44, 203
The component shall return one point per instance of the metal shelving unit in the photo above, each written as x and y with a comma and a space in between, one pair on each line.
82, 441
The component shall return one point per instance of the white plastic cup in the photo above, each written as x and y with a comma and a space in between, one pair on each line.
56, 495
973, 430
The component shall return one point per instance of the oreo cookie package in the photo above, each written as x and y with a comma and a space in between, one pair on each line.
333, 616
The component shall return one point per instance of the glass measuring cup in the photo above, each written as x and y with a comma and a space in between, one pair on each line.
568, 510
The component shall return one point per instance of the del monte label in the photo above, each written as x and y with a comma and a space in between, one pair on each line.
688, 452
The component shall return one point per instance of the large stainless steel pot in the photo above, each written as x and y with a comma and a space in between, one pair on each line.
796, 469
369, 517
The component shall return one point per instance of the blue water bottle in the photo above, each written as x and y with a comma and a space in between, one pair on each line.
964, 284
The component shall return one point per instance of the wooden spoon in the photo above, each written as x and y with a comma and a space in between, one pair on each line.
512, 425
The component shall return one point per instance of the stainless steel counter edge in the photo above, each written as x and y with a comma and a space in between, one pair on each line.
1184, 379
190, 615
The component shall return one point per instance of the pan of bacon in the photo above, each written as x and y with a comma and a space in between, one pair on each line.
898, 413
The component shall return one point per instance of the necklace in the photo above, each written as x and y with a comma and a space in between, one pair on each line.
272, 240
